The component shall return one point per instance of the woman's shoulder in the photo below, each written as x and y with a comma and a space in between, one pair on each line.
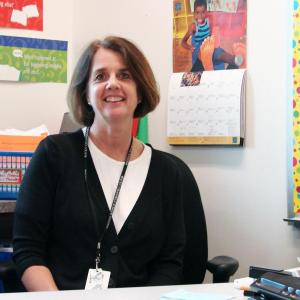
62, 142
65, 138
174, 166
168, 159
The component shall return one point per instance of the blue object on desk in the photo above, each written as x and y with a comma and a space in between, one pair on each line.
5, 254
276, 286
184, 295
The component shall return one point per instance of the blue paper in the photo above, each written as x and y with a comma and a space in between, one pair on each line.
184, 295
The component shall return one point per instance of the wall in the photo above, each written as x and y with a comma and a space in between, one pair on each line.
27, 105
244, 190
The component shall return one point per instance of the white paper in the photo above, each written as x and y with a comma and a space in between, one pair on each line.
185, 295
30, 11
9, 73
37, 131
18, 16
243, 283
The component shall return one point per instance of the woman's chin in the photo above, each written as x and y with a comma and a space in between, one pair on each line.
117, 115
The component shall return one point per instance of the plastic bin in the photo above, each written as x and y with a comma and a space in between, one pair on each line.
12, 168
5, 254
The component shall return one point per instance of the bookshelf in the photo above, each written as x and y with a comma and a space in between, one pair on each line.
182, 17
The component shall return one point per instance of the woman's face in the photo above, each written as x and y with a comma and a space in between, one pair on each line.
112, 92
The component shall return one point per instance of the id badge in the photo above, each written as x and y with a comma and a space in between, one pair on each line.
97, 279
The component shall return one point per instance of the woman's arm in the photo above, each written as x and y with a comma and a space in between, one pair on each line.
33, 219
38, 278
167, 268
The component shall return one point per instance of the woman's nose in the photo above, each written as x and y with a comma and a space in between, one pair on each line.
112, 83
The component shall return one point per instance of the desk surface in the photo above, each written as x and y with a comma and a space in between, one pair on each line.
143, 293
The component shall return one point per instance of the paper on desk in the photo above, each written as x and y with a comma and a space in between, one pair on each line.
184, 295
294, 271
22, 140
37, 131
243, 283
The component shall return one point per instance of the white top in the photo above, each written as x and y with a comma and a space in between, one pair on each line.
109, 171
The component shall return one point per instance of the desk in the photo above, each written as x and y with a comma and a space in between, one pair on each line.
141, 293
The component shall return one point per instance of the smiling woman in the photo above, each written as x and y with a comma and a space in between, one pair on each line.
98, 200
112, 92
137, 66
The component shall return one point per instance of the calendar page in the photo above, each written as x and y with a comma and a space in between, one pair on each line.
206, 107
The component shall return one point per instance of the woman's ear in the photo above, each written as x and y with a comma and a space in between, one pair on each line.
88, 100
139, 98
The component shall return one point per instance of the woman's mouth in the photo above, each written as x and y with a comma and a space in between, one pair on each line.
113, 99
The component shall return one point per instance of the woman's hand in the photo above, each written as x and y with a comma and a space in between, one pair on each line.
38, 278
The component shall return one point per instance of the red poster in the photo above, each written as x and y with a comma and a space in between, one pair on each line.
23, 14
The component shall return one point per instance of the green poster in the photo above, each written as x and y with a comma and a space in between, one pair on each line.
33, 60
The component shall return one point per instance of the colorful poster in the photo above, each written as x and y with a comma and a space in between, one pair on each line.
23, 14
209, 35
296, 107
34, 60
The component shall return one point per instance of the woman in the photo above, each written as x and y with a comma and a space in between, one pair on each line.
73, 186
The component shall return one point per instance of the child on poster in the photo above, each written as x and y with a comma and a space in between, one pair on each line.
205, 44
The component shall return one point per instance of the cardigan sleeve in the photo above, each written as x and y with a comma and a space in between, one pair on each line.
34, 208
167, 267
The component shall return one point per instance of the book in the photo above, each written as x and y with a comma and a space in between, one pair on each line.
207, 108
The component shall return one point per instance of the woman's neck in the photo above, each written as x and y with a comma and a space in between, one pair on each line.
114, 142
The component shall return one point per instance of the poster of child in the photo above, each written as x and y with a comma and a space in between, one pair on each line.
209, 35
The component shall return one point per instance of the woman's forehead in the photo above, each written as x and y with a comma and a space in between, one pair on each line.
104, 58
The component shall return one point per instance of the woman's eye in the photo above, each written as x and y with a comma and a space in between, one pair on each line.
124, 75
100, 77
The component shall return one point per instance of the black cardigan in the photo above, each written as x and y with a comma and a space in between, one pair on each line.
54, 224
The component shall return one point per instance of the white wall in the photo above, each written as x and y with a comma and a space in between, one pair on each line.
244, 190
27, 105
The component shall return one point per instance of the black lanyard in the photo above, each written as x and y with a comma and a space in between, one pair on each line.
116, 196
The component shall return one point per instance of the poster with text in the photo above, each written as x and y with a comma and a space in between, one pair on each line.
209, 35
22, 14
33, 60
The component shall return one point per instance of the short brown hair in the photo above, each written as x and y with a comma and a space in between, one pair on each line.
137, 65
200, 3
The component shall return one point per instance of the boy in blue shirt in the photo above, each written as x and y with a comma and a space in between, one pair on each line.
207, 54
